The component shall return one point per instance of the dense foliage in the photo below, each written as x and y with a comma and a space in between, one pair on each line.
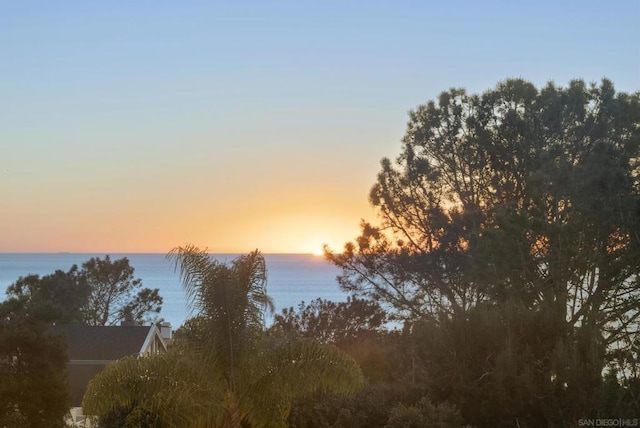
333, 322
224, 371
393, 394
33, 385
508, 242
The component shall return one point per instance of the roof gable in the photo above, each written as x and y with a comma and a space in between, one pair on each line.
105, 343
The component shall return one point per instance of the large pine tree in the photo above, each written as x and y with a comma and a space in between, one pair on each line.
509, 238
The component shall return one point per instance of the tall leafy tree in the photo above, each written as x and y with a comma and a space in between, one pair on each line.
238, 376
516, 200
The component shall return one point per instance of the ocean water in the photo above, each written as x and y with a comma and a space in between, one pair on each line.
292, 278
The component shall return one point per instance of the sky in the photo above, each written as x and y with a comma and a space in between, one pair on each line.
140, 126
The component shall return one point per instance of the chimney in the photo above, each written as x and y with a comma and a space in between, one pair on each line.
165, 331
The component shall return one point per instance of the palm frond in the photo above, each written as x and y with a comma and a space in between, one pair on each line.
193, 265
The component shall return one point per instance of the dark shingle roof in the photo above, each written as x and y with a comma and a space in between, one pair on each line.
103, 343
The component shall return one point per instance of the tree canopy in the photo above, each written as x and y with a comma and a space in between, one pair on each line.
101, 292
333, 322
514, 211
55, 298
116, 295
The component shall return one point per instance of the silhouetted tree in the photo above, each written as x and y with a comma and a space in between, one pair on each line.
517, 201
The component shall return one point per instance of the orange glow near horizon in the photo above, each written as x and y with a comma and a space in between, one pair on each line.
294, 224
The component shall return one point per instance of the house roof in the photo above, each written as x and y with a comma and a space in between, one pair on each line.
104, 343
90, 349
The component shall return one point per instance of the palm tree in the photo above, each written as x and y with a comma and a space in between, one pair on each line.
240, 376
154, 391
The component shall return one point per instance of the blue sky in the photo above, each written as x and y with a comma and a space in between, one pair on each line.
137, 126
